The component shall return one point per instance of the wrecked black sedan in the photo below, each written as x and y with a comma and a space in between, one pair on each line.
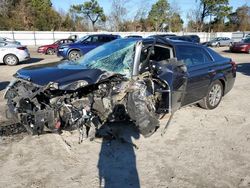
138, 80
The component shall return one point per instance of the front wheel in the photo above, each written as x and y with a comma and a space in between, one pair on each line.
218, 45
50, 51
213, 97
74, 55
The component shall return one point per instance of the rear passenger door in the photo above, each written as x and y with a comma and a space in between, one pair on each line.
200, 72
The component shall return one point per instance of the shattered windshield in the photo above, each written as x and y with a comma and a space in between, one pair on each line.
116, 56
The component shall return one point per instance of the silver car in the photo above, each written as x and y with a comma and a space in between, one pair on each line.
11, 54
220, 41
7, 40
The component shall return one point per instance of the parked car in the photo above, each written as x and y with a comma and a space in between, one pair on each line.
7, 40
220, 41
73, 37
51, 49
195, 38
127, 79
243, 46
84, 45
162, 35
183, 38
133, 36
11, 54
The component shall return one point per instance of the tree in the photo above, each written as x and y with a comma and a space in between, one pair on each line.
176, 23
240, 19
92, 10
159, 14
218, 8
193, 17
117, 16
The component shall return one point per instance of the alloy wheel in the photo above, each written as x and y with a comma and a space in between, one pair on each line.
11, 60
74, 55
50, 51
215, 95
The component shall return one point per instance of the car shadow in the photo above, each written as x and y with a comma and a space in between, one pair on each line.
117, 159
32, 60
3, 85
244, 68
227, 51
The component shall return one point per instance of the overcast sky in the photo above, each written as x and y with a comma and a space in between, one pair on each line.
134, 5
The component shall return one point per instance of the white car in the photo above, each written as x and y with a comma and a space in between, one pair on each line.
11, 54
8, 40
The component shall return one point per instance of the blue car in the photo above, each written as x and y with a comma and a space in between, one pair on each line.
82, 46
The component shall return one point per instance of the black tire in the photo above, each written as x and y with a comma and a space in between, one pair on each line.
218, 45
139, 110
213, 97
50, 51
74, 55
11, 60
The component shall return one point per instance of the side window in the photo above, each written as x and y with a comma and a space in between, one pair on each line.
88, 39
193, 56
69, 41
95, 39
103, 39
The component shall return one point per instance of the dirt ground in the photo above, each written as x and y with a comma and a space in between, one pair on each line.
200, 148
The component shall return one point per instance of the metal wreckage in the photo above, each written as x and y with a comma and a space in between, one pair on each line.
124, 80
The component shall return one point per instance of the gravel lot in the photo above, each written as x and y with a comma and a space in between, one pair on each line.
200, 148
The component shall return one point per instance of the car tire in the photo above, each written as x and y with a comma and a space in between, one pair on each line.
140, 111
213, 97
11, 60
230, 44
50, 51
74, 55
218, 45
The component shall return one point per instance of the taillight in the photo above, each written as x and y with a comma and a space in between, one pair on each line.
21, 48
234, 65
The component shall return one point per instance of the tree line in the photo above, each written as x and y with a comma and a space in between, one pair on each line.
209, 15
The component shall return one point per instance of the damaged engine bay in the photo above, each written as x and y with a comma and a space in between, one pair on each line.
137, 87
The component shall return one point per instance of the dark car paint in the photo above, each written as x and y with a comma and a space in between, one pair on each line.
59, 72
195, 38
183, 38
199, 77
83, 47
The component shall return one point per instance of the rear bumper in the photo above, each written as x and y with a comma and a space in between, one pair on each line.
23, 56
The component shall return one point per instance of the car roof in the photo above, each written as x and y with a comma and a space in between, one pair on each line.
102, 35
